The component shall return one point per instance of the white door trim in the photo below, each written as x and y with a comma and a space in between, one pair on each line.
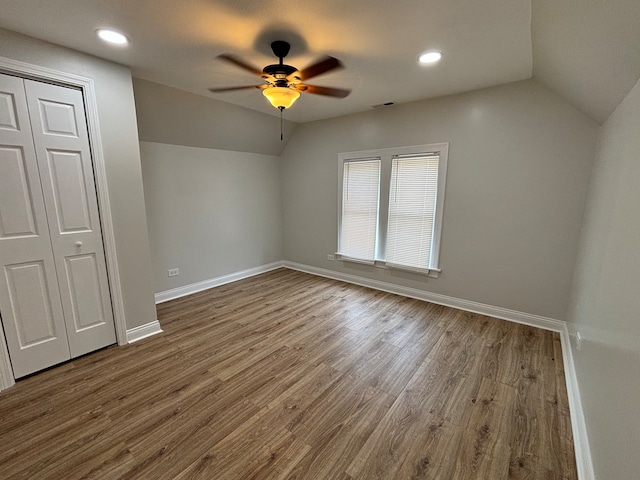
37, 72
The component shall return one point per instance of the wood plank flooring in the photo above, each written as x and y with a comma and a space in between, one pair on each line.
291, 376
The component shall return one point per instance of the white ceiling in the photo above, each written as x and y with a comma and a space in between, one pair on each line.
485, 43
588, 51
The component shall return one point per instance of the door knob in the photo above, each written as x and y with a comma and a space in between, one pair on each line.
78, 244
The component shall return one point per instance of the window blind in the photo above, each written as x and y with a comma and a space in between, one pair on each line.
412, 207
360, 193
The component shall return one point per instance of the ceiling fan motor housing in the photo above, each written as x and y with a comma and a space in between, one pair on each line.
280, 71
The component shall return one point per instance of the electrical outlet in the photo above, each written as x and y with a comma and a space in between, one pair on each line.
331, 257
578, 341
173, 272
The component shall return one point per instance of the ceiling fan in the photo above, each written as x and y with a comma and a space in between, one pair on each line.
283, 83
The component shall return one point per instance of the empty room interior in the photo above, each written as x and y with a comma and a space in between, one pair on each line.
320, 240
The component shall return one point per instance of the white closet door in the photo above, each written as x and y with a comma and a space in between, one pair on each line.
30, 302
64, 160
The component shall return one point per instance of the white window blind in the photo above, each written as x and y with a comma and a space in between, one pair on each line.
412, 208
360, 194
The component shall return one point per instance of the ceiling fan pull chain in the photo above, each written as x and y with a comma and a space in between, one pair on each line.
281, 135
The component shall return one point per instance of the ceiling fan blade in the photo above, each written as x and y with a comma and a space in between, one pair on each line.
323, 66
230, 89
239, 63
327, 91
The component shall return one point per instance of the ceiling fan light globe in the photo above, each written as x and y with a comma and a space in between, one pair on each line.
281, 97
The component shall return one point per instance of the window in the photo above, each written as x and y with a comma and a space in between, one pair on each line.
391, 207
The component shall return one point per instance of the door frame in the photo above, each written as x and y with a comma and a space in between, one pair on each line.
36, 72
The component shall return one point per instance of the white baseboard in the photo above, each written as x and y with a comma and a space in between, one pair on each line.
143, 331
584, 461
467, 305
214, 282
581, 444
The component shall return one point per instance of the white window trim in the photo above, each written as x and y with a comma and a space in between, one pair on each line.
386, 155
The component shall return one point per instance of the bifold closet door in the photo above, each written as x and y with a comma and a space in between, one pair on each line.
54, 295
66, 172
30, 302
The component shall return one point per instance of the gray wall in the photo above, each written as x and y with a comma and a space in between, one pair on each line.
168, 115
212, 185
519, 165
210, 212
606, 300
118, 130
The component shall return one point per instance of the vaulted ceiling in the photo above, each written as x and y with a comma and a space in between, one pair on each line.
588, 51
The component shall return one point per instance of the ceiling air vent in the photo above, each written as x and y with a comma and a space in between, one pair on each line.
383, 105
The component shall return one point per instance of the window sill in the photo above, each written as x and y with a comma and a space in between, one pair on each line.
432, 272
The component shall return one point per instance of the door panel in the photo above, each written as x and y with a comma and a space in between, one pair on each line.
58, 118
8, 112
64, 160
30, 303
33, 315
16, 205
69, 192
84, 279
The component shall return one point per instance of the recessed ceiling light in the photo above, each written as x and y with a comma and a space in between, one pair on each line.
111, 36
429, 57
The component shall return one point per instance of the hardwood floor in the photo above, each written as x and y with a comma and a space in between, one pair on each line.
290, 376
